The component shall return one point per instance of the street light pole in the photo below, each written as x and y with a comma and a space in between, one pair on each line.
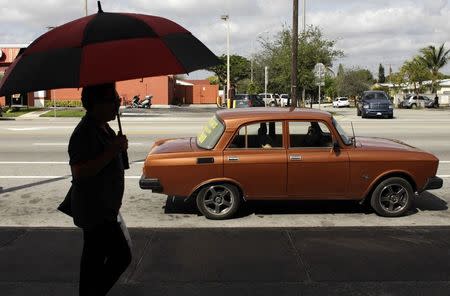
226, 18
85, 7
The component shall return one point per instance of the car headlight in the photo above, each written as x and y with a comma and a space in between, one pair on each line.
366, 106
391, 107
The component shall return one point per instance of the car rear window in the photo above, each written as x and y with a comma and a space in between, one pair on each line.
211, 133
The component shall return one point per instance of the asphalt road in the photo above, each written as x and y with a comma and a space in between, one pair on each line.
34, 174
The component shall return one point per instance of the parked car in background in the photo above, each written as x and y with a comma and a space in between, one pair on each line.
270, 99
411, 102
278, 154
374, 103
341, 102
248, 100
284, 100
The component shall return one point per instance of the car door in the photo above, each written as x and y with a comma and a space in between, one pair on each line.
256, 159
315, 170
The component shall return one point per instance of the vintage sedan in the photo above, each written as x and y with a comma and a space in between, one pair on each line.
277, 154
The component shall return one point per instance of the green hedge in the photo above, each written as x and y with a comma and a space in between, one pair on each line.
63, 103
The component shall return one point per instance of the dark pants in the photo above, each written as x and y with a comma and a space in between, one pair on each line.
105, 257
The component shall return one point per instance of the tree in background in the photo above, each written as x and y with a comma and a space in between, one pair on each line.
415, 72
354, 81
239, 69
434, 59
276, 54
381, 76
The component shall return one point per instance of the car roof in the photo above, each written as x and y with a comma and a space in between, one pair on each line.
235, 117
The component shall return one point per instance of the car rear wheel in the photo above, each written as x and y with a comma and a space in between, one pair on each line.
392, 197
218, 201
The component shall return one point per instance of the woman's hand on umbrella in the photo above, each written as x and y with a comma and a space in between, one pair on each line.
120, 143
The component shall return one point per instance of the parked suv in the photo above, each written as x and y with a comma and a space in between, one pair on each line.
411, 102
375, 104
247, 100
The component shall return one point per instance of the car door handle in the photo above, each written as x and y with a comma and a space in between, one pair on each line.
233, 158
295, 157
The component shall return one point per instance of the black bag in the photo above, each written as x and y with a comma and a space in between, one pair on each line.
66, 205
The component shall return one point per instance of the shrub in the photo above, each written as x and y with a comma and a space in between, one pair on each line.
63, 103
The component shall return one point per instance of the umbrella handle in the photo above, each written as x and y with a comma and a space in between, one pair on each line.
125, 161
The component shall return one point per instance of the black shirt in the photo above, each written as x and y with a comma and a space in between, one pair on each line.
97, 199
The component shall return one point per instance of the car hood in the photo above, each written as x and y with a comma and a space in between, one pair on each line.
174, 145
382, 143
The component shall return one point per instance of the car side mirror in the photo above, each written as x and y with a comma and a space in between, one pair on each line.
336, 147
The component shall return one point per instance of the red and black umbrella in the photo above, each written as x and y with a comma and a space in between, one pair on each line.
106, 47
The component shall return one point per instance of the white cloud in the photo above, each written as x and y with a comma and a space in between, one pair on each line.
369, 32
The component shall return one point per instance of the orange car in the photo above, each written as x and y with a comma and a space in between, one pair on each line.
277, 154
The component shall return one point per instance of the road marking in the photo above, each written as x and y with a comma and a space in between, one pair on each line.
53, 177
37, 128
126, 177
66, 144
49, 144
34, 162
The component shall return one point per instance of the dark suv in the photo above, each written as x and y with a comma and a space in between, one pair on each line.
375, 104
246, 100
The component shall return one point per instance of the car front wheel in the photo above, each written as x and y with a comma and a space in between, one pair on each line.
218, 201
392, 197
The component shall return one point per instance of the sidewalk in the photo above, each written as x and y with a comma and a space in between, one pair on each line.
299, 261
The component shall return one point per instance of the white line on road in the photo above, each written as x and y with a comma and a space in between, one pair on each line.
66, 144
52, 177
136, 162
126, 177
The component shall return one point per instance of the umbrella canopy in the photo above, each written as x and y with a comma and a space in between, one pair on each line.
106, 47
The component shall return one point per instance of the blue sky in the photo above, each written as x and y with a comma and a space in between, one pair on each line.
369, 32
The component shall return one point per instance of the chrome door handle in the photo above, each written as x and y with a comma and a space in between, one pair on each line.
233, 158
295, 157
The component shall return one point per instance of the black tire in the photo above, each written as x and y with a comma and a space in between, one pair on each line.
218, 201
392, 197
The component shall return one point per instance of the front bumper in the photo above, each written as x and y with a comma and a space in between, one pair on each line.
151, 184
375, 113
433, 183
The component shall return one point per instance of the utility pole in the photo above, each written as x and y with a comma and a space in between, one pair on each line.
293, 102
85, 7
226, 18
304, 29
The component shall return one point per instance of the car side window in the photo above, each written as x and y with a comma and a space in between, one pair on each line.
266, 135
303, 134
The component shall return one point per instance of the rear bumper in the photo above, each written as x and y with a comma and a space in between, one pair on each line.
433, 183
150, 184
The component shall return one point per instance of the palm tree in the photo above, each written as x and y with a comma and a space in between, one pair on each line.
434, 59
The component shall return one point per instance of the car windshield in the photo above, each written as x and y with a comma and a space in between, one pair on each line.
375, 96
341, 132
211, 133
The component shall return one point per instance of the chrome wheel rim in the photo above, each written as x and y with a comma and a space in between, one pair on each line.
218, 200
394, 198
